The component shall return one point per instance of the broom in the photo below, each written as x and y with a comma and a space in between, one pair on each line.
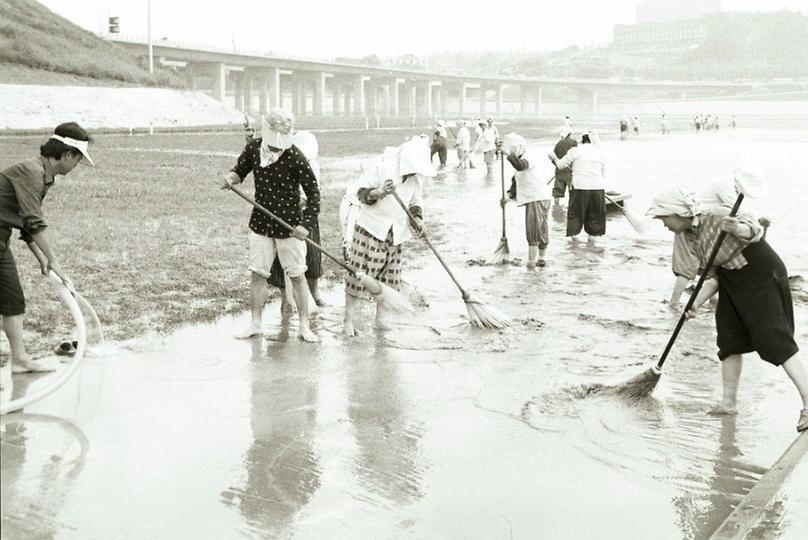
480, 315
636, 222
642, 385
381, 292
502, 253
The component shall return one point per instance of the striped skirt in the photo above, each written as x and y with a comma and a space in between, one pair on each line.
379, 259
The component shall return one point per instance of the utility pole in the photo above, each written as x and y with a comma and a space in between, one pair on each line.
148, 25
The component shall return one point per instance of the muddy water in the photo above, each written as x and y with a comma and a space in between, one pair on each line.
436, 430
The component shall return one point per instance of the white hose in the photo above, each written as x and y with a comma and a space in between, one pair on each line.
61, 377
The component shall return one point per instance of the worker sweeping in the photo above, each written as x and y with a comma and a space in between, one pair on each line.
279, 171
529, 189
754, 311
382, 226
23, 186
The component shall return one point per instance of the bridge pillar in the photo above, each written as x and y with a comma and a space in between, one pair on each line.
461, 100
247, 90
538, 99
483, 99
347, 110
412, 110
522, 100
238, 90
335, 97
274, 82
500, 91
394, 105
443, 92
319, 93
263, 95
299, 97
219, 82
359, 95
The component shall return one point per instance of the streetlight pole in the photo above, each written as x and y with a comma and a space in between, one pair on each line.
148, 25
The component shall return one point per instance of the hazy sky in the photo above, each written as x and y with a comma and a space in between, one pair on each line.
328, 28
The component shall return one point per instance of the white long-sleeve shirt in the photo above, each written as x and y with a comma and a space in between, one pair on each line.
378, 218
588, 166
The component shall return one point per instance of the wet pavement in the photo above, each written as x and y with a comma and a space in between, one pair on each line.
435, 429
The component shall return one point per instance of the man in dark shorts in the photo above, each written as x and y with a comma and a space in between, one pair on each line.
23, 186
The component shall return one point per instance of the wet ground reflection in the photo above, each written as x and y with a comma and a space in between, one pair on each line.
435, 429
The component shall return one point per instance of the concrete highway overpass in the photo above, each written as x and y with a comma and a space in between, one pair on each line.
314, 87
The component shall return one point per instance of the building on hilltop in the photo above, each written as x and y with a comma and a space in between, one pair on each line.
661, 11
668, 24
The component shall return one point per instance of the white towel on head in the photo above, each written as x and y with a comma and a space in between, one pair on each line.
675, 201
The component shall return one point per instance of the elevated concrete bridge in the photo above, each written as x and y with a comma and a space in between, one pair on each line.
309, 86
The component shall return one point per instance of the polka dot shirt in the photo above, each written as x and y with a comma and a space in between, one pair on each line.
277, 188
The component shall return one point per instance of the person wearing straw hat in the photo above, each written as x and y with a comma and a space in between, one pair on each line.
754, 312
23, 186
382, 226
563, 177
587, 205
279, 171
530, 190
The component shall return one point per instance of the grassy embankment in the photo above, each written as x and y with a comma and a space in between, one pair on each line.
39, 47
149, 239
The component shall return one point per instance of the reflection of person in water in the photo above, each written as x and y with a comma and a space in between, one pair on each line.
282, 469
388, 460
37, 502
730, 481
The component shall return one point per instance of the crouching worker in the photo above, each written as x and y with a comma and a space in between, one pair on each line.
382, 226
22, 188
754, 310
530, 191
279, 171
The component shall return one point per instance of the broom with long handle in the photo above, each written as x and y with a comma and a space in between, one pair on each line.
643, 384
480, 315
636, 222
502, 253
381, 292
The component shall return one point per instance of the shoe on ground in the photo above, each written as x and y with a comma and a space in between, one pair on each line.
802, 423
66, 348
541, 262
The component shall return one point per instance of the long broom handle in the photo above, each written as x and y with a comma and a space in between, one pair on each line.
702, 278
428, 243
309, 241
614, 203
502, 186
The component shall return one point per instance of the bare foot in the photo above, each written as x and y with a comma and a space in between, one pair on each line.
722, 410
42, 365
251, 331
307, 335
